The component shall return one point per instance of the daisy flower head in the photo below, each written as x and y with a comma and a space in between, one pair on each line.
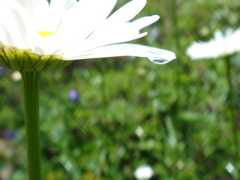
221, 45
143, 172
36, 35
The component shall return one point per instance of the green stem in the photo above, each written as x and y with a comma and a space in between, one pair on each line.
231, 106
31, 81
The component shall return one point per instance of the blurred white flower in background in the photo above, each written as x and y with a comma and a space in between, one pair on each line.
143, 172
221, 45
139, 131
230, 167
16, 76
74, 30
68, 165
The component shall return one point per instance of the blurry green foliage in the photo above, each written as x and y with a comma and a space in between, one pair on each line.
181, 107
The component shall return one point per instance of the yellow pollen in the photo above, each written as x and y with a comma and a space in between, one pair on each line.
46, 33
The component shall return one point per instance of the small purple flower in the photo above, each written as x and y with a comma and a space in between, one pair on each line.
2, 70
73, 95
8, 134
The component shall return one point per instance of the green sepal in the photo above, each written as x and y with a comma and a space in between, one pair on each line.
55, 63
26, 60
4, 60
20, 57
41, 64
12, 59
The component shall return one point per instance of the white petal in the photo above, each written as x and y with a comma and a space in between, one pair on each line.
82, 19
47, 45
127, 12
62, 4
50, 21
53, 14
119, 18
158, 56
119, 32
5, 37
40, 19
29, 6
113, 38
145, 21
116, 29
17, 24
58, 8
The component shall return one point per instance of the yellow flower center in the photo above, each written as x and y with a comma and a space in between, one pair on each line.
46, 33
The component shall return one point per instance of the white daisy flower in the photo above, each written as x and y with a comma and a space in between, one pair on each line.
36, 35
220, 45
143, 172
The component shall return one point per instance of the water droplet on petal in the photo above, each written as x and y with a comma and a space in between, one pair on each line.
160, 61
160, 56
